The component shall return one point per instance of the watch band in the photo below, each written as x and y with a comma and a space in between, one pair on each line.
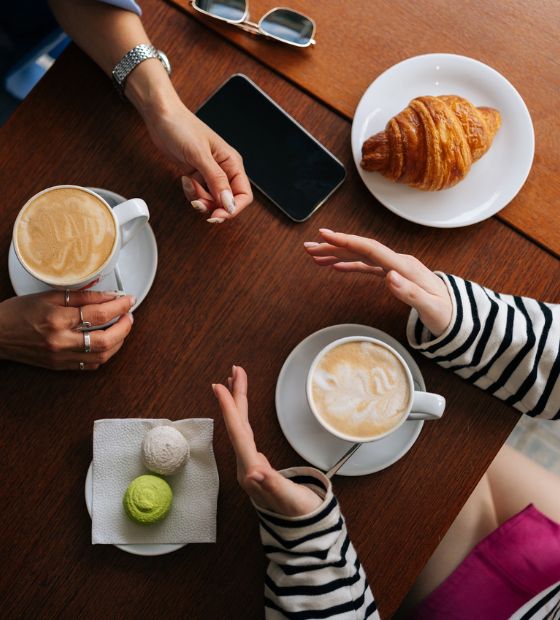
132, 59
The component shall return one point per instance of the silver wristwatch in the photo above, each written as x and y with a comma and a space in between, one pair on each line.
132, 59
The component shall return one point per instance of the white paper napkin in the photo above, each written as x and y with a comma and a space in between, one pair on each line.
117, 460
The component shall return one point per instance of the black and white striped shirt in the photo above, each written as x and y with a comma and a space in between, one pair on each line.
505, 344
313, 570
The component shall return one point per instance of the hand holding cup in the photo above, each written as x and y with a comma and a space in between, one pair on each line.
406, 277
41, 330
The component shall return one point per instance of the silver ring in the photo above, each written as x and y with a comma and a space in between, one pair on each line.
87, 342
67, 297
83, 324
82, 366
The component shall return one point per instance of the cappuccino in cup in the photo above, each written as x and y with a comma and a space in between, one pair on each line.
65, 235
360, 389
69, 237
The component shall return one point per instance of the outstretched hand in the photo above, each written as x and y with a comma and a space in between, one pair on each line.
406, 277
264, 485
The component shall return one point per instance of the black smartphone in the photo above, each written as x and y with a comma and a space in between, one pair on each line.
285, 162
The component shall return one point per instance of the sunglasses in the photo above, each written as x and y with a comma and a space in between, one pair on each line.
281, 24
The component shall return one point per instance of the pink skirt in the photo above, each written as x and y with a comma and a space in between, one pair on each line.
505, 570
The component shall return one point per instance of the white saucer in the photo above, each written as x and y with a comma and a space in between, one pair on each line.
151, 549
308, 438
137, 263
492, 182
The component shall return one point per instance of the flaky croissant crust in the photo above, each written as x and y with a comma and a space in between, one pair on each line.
432, 143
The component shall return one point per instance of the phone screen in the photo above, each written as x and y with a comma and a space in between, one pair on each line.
281, 159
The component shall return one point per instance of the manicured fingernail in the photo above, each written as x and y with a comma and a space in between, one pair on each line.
199, 206
326, 230
131, 317
257, 476
396, 279
310, 244
188, 187
113, 294
216, 220
228, 203
132, 300
233, 371
229, 382
214, 387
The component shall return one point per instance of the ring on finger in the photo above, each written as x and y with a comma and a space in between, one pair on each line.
67, 297
82, 366
87, 342
83, 324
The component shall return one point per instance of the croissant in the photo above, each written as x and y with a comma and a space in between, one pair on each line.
432, 143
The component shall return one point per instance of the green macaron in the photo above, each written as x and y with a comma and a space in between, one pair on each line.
147, 499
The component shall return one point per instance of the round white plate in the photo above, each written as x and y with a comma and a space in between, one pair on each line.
151, 549
493, 180
308, 438
137, 263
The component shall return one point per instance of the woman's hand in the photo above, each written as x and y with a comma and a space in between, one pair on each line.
406, 277
216, 184
39, 330
268, 488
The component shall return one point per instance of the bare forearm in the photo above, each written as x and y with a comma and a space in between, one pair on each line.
106, 33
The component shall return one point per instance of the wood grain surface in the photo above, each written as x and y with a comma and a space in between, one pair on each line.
357, 41
241, 293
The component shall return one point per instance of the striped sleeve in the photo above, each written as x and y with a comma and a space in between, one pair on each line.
544, 606
313, 570
505, 344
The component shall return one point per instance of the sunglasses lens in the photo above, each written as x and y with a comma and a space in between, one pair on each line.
232, 10
289, 26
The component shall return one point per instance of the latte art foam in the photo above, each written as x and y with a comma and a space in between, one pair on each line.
360, 389
65, 235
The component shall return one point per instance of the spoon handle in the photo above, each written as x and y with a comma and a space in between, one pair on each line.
332, 471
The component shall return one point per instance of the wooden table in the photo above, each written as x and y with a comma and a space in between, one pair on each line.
358, 40
240, 293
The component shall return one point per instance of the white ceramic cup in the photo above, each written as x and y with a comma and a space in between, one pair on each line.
129, 218
421, 405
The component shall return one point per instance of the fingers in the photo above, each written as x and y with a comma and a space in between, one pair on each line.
232, 199
237, 428
104, 340
379, 255
240, 186
369, 250
91, 361
80, 298
317, 250
99, 314
203, 201
218, 184
359, 267
239, 390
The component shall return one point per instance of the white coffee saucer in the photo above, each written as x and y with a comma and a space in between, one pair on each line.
136, 549
308, 438
137, 263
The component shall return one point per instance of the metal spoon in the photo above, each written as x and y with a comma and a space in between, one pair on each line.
332, 471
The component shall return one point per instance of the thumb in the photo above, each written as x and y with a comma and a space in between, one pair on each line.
218, 184
427, 305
